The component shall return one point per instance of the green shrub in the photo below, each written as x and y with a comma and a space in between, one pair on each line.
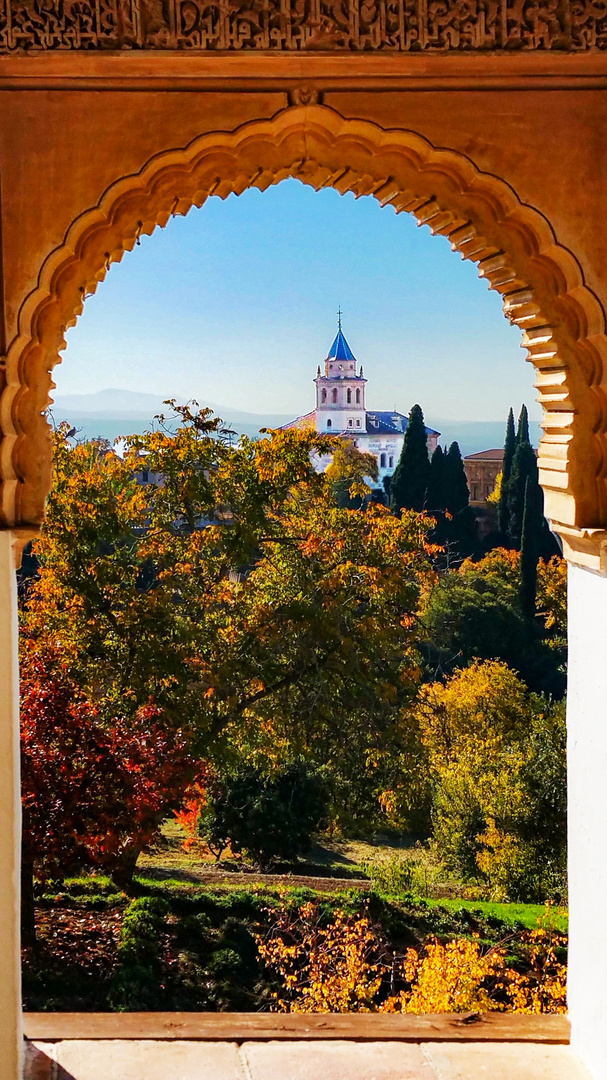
135, 984
223, 963
269, 819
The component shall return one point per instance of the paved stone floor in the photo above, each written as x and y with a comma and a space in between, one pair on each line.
118, 1059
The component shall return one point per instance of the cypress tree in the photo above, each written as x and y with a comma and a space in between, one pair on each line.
412, 473
509, 448
524, 467
533, 519
522, 432
460, 534
456, 485
436, 496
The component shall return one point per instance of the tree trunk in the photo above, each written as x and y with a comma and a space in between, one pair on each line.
122, 872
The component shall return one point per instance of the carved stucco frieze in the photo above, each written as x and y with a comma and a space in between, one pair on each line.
298, 25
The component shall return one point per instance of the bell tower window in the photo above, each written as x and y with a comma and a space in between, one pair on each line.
358, 397
323, 396
334, 396
349, 397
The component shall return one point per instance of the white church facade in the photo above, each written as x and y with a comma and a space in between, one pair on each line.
341, 409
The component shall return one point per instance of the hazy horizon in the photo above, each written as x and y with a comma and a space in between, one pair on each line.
113, 414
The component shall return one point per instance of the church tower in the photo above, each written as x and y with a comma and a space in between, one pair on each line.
340, 392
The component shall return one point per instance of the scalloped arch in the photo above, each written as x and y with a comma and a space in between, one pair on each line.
541, 282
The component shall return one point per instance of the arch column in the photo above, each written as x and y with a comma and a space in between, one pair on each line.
11, 1038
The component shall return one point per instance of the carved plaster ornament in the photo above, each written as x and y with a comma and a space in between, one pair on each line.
310, 25
305, 95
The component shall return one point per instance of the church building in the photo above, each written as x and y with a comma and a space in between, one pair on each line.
341, 409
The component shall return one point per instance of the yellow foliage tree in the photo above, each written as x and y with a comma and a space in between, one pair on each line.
336, 968
484, 703
459, 977
346, 967
552, 593
450, 978
496, 494
500, 564
349, 473
497, 756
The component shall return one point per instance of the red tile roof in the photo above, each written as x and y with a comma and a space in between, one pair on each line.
486, 455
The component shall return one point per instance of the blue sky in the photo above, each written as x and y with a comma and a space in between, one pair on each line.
236, 304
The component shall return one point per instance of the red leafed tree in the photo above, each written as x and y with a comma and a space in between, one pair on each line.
93, 792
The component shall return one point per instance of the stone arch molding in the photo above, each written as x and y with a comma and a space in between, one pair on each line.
541, 283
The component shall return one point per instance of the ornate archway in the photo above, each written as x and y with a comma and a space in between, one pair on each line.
541, 283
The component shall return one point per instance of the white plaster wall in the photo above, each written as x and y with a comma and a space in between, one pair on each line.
322, 415
587, 788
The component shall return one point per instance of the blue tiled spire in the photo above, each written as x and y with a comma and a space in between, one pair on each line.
340, 350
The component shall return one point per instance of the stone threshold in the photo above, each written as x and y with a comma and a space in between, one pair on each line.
337, 1059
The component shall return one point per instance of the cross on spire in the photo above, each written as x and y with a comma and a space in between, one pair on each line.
339, 314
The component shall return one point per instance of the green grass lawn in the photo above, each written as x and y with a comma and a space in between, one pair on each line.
526, 915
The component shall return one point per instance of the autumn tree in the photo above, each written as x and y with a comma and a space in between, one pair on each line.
234, 596
327, 628
134, 580
552, 597
349, 474
497, 754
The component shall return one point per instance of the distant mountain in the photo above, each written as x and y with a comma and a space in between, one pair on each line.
111, 414
108, 403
